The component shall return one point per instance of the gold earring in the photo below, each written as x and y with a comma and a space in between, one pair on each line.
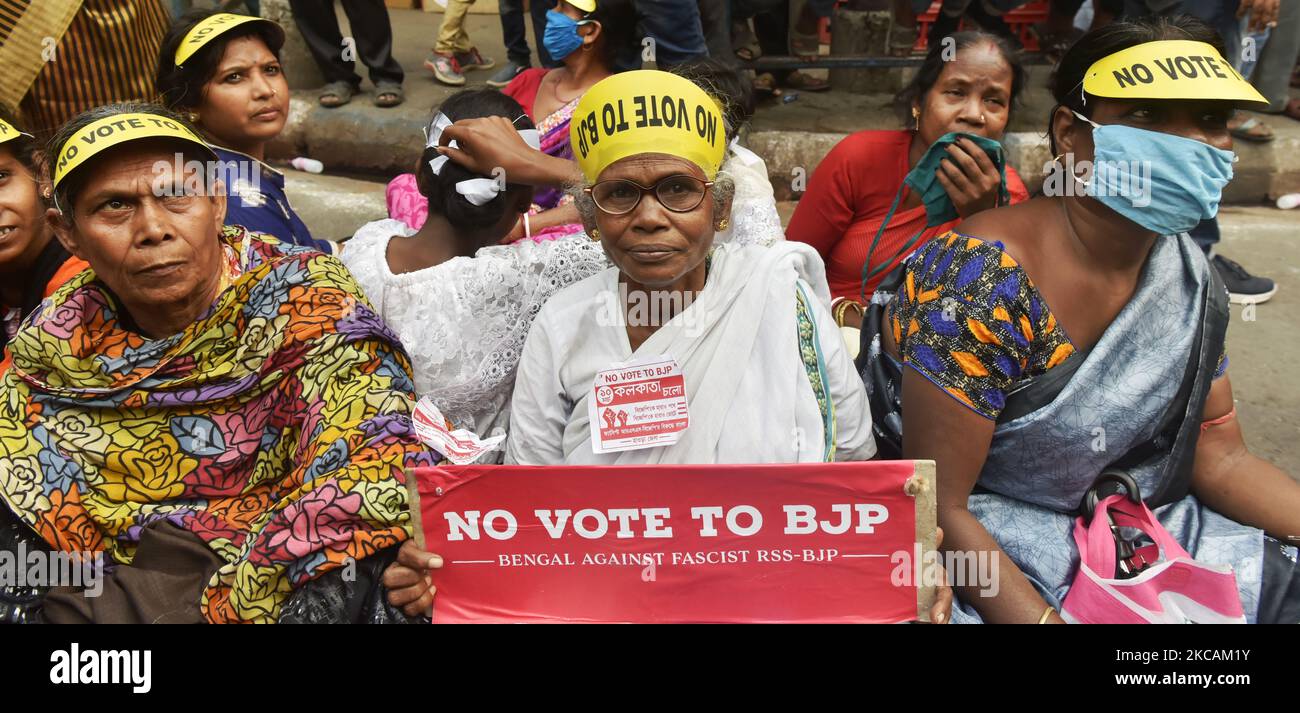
722, 225
595, 234
193, 117
916, 115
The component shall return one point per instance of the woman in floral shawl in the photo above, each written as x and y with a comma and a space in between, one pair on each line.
221, 417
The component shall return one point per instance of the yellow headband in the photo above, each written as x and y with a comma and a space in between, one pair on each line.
646, 111
213, 26
9, 133
113, 130
1168, 69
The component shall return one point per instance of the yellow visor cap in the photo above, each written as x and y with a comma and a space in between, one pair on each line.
214, 26
112, 131
1168, 69
584, 5
8, 132
646, 111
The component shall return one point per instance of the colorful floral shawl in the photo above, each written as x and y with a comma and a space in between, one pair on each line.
273, 428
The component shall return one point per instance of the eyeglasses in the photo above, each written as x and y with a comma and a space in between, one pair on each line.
678, 193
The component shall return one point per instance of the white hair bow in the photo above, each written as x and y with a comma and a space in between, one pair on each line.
476, 190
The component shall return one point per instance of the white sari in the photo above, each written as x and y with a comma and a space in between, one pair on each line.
749, 384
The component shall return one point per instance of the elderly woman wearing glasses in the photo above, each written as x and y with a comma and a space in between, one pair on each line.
765, 375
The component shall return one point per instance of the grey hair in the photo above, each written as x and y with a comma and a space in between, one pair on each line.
67, 190
723, 190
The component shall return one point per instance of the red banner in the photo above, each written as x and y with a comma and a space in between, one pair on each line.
726, 543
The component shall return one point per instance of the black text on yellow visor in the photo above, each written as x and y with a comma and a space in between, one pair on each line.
213, 27
1168, 69
118, 129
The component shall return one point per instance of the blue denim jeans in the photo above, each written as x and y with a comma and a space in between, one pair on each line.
516, 37
675, 27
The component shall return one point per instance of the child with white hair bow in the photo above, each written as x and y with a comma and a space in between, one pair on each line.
461, 302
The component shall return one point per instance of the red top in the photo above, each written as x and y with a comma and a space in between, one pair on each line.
847, 200
523, 88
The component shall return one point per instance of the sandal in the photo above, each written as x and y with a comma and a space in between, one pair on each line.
1250, 129
805, 82
389, 94
805, 45
1292, 109
745, 43
336, 94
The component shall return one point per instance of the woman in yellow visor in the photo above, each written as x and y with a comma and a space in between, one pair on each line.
1042, 344
223, 71
32, 263
748, 327
765, 377
176, 410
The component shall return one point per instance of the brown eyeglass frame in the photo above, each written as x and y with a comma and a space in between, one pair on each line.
645, 190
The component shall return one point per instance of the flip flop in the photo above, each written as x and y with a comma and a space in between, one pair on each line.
805, 82
765, 86
336, 94
1292, 109
1246, 131
746, 44
805, 45
389, 89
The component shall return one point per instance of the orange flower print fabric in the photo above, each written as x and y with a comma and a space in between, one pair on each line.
275, 428
970, 320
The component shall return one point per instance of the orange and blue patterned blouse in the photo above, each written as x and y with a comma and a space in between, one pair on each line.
970, 320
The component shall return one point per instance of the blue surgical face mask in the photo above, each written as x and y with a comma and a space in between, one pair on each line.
561, 35
1164, 183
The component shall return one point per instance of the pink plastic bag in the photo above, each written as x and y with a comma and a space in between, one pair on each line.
1174, 589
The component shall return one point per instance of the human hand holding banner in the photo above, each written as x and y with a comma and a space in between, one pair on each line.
809, 543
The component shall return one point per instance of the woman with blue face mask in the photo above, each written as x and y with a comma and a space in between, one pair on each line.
583, 35
1042, 344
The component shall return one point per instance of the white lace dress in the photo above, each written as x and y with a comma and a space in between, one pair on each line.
464, 322
754, 220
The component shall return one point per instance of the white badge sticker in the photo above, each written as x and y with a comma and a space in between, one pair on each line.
640, 404
461, 447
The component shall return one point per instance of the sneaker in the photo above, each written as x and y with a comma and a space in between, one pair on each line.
506, 74
473, 60
445, 68
1243, 287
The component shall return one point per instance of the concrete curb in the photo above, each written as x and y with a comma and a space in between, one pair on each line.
375, 144
1263, 171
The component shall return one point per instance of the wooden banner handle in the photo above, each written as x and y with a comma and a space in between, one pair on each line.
921, 486
417, 519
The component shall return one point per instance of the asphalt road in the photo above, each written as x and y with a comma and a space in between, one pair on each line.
1264, 352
